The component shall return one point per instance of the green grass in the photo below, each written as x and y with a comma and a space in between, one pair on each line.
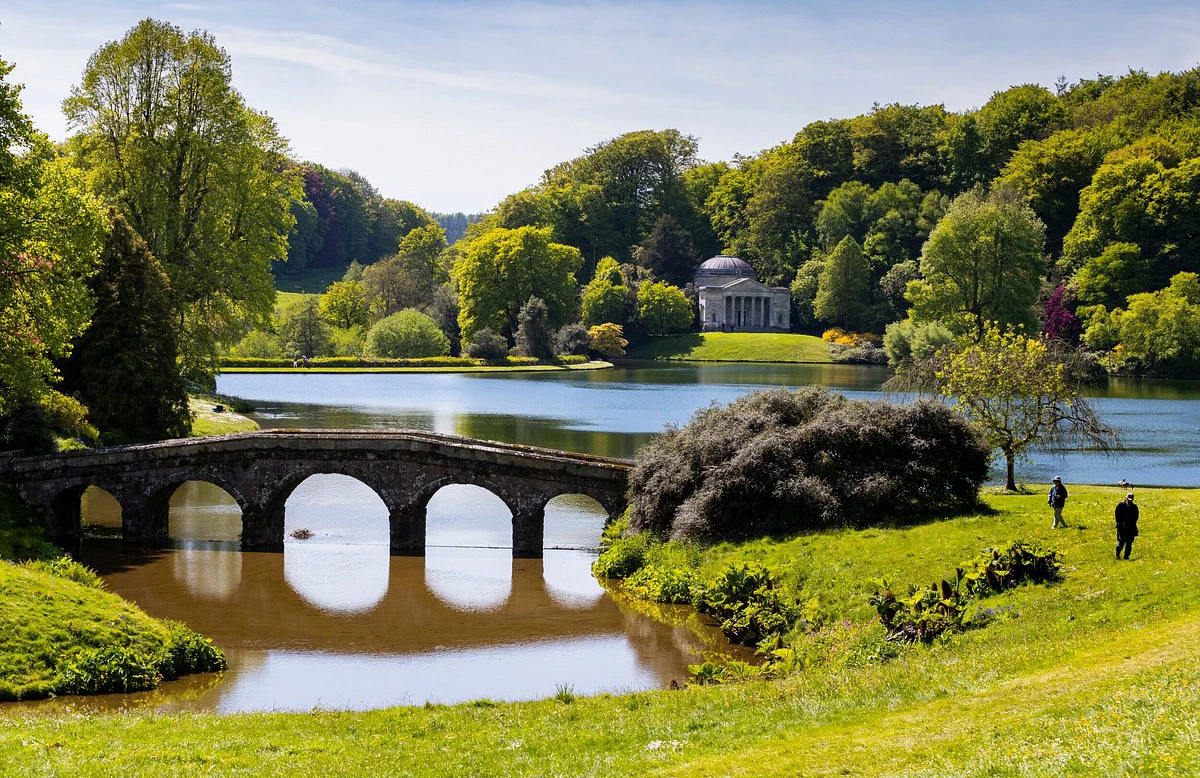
1096, 675
734, 347
310, 280
594, 365
284, 299
206, 422
50, 623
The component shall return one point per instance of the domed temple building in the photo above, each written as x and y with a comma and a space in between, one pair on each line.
732, 299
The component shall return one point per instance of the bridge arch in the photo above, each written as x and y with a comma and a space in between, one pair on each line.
66, 509
150, 517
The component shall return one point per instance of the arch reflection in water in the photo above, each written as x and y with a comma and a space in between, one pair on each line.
203, 511
470, 579
343, 567
100, 512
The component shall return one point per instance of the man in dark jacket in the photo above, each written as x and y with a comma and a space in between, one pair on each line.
1127, 518
1057, 499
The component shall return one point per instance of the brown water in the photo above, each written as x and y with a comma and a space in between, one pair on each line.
336, 622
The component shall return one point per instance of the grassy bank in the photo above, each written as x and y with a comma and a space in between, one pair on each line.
734, 347
1096, 675
61, 633
593, 365
206, 421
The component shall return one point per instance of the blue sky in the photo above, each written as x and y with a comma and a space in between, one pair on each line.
455, 104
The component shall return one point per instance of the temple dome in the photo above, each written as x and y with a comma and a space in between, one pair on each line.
723, 269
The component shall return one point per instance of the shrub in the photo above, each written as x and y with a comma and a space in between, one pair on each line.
905, 340
623, 557
488, 345
572, 340
608, 340
106, 670
663, 309
534, 337
669, 584
407, 335
751, 606
188, 652
258, 344
68, 415
922, 614
784, 462
1011, 565
351, 342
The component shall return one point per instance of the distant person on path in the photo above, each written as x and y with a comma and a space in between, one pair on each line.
295, 362
1124, 484
1127, 518
1057, 499
304, 359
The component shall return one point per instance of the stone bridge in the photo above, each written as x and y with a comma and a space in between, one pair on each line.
261, 469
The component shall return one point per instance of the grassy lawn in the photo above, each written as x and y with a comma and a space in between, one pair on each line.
593, 365
205, 421
734, 347
47, 621
284, 299
310, 280
1096, 675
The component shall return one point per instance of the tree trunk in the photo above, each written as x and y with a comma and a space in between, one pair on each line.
1012, 483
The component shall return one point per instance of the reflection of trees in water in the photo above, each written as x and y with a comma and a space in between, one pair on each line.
207, 569
99, 509
549, 433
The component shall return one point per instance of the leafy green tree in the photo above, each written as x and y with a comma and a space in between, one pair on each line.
895, 142
849, 211
663, 309
398, 282
348, 342
1053, 171
302, 330
199, 176
345, 304
425, 244
502, 269
534, 336
408, 334
258, 344
604, 301
1020, 113
907, 340
844, 288
125, 366
1118, 272
354, 272
608, 340
668, 251
1157, 332
305, 239
804, 289
51, 231
983, 262
1020, 392
391, 222
894, 285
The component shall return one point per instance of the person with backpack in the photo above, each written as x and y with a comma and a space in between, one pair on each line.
1057, 499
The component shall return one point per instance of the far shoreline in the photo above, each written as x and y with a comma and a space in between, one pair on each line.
593, 365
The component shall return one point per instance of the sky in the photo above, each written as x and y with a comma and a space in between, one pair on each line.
454, 105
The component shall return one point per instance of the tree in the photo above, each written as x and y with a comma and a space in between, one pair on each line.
1157, 332
424, 244
1116, 273
668, 251
844, 288
534, 336
608, 340
604, 301
848, 211
663, 309
408, 334
396, 283
983, 262
804, 289
51, 231
1020, 392
125, 367
572, 339
503, 268
305, 240
302, 330
488, 345
199, 176
345, 304
1017, 114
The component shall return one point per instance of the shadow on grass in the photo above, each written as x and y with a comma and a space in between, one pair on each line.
667, 346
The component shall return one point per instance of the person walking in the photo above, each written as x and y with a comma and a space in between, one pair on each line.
1057, 499
1127, 519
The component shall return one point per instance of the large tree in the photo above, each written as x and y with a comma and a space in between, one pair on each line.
844, 287
200, 176
502, 269
50, 235
983, 262
125, 367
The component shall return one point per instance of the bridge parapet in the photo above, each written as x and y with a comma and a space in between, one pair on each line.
261, 469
